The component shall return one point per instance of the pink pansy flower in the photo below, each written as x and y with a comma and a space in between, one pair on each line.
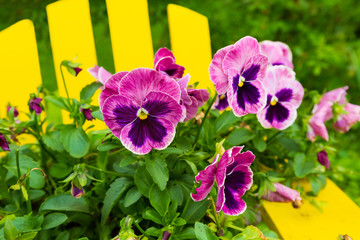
278, 53
323, 159
77, 192
282, 194
145, 110
165, 62
4, 143
99, 73
233, 176
191, 99
346, 121
239, 70
221, 102
284, 96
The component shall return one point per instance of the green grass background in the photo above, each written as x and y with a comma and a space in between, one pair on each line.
323, 35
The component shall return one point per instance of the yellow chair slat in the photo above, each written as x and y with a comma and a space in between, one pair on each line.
71, 36
130, 34
190, 43
339, 215
19, 66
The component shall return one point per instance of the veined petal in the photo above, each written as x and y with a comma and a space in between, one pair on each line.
217, 75
105, 94
337, 95
99, 73
114, 81
280, 116
207, 177
346, 121
139, 82
167, 66
183, 83
141, 136
118, 112
163, 53
242, 52
278, 53
255, 68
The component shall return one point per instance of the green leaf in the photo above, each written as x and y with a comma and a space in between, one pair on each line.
75, 141
53, 220
179, 222
240, 136
302, 165
203, 232
52, 141
226, 119
160, 200
157, 168
27, 236
97, 114
58, 101
187, 233
10, 232
195, 211
259, 143
143, 180
113, 194
59, 170
108, 146
250, 233
152, 215
317, 183
132, 196
152, 231
65, 202
127, 161
88, 91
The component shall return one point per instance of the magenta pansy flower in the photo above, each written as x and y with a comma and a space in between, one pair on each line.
191, 99
77, 192
165, 62
35, 105
278, 53
323, 159
87, 114
233, 176
284, 96
221, 102
282, 194
145, 110
4, 143
16, 112
99, 73
239, 70
346, 121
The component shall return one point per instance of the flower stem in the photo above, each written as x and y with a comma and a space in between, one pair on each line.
205, 116
108, 172
62, 75
216, 216
141, 230
18, 175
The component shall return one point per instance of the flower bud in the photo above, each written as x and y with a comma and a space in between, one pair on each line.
16, 112
4, 143
35, 105
87, 114
76, 191
323, 159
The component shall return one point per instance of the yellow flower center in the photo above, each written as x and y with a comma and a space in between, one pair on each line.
274, 101
222, 96
241, 81
142, 114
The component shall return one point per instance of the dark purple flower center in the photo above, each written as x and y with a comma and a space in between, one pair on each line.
223, 102
148, 128
277, 63
250, 74
284, 95
247, 93
235, 184
275, 111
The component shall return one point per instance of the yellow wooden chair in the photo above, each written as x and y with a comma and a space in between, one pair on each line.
71, 35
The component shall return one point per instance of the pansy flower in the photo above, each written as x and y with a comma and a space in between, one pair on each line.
345, 121
221, 102
4, 143
165, 62
323, 159
99, 73
239, 70
233, 176
278, 53
145, 111
191, 99
87, 113
283, 194
35, 105
284, 96
77, 191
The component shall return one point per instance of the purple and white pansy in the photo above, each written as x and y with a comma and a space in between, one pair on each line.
233, 176
144, 111
165, 62
278, 53
239, 70
284, 96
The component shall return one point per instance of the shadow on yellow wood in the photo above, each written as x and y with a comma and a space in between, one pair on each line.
190, 43
130, 34
71, 36
20, 69
340, 215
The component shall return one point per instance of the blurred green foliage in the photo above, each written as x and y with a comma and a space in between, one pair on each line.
324, 36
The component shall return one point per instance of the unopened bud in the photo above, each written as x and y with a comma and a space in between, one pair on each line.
297, 203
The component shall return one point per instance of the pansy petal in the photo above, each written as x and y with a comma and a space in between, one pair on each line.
113, 82
282, 194
221, 169
162, 53
346, 121
139, 82
250, 98
337, 95
94, 71
141, 136
118, 113
221, 102
161, 105
207, 177
105, 93
167, 66
217, 75
317, 122
103, 75
280, 116
183, 83
278, 53
240, 54
255, 68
